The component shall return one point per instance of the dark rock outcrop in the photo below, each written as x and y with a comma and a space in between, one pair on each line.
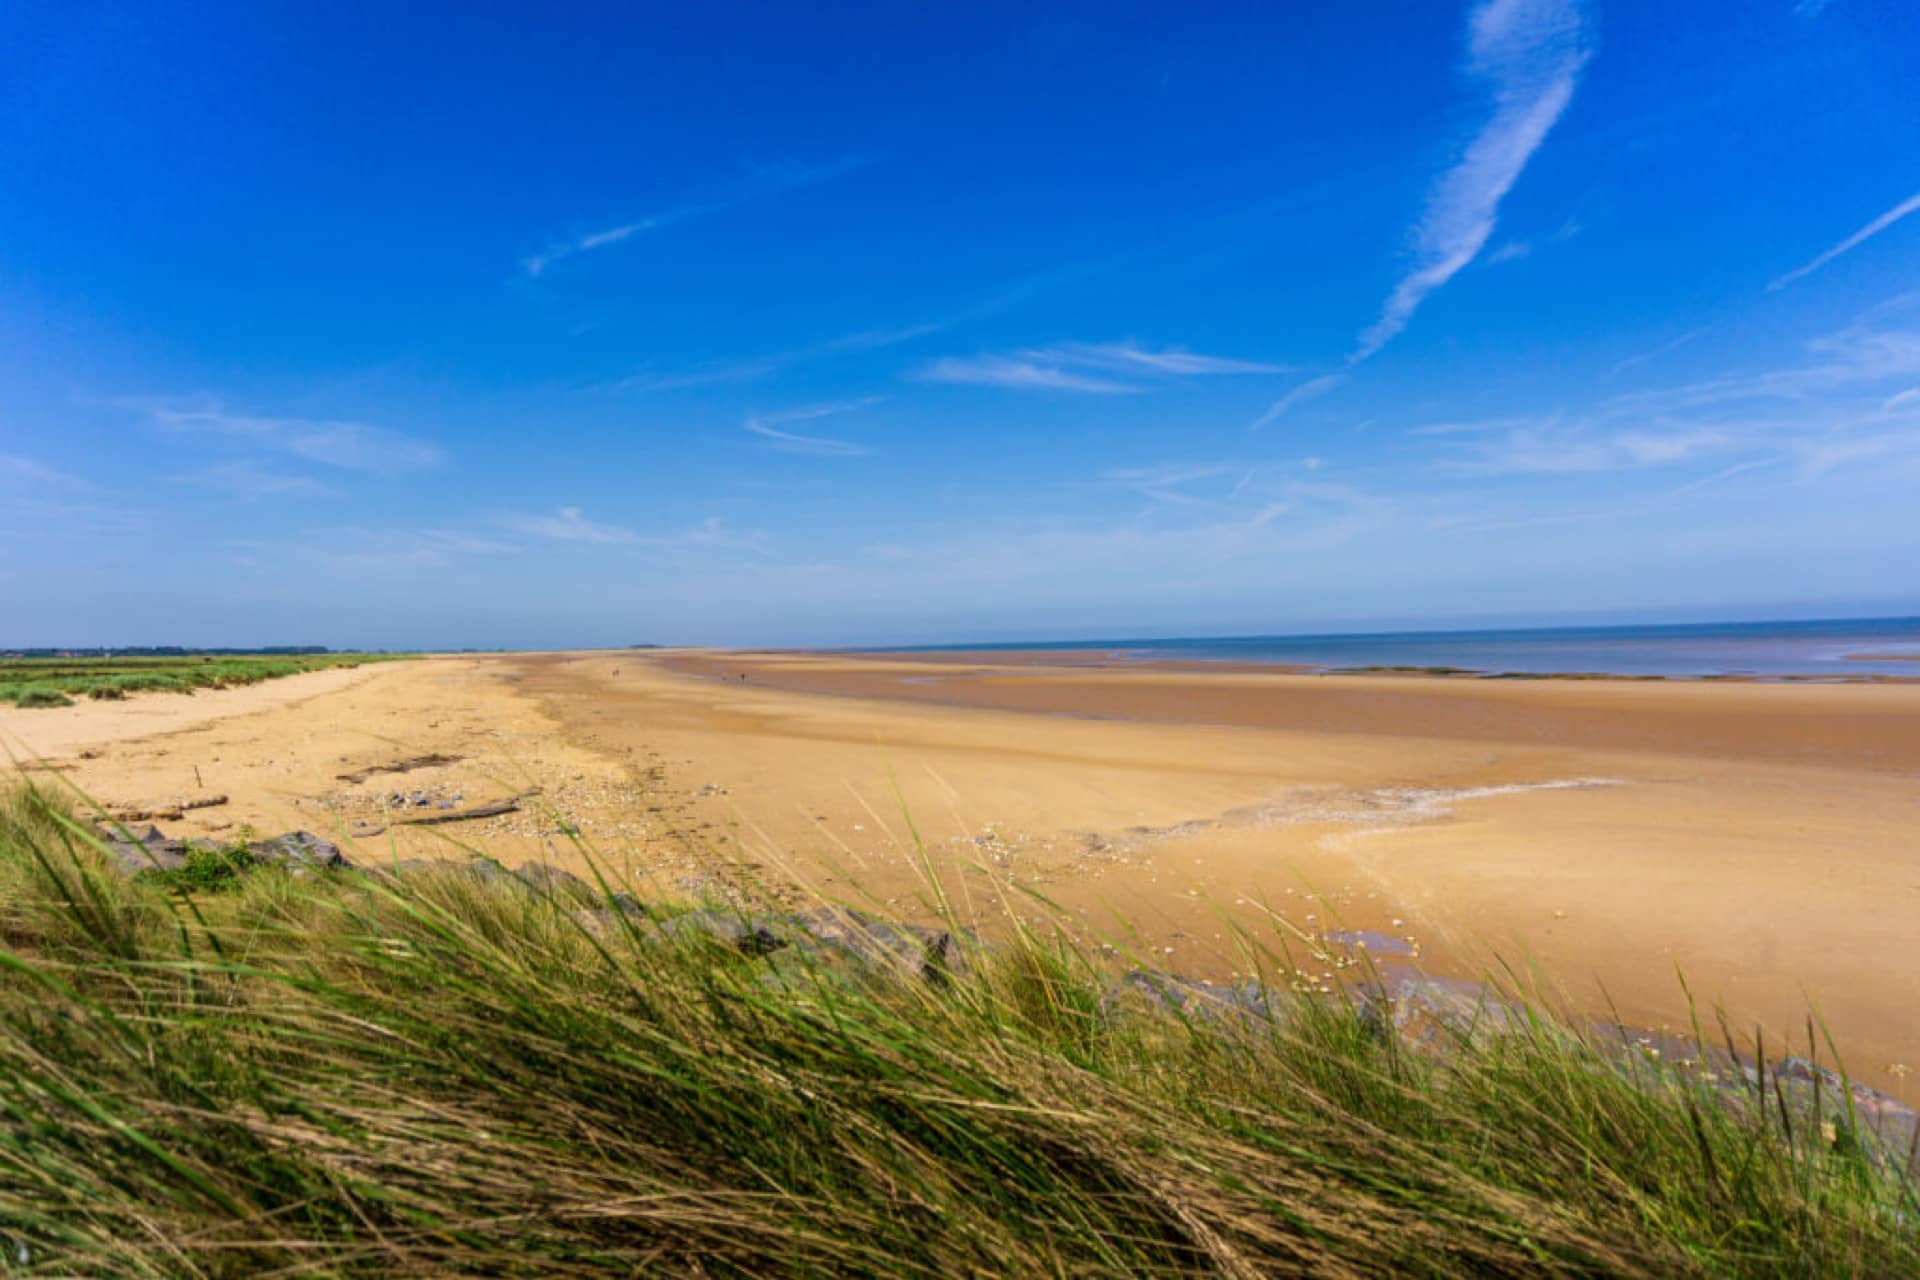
151, 850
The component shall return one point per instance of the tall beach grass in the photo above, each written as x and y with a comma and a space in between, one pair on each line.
437, 1073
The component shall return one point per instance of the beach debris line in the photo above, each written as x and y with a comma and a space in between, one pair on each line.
492, 809
406, 765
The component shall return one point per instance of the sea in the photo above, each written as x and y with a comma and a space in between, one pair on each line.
1832, 649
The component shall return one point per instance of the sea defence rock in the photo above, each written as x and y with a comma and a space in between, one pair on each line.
149, 849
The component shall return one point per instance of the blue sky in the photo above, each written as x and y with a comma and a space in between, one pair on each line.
544, 325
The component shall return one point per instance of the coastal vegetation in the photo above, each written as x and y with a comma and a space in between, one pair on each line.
432, 1070
55, 681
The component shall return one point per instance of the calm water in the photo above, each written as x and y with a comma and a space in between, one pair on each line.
1739, 648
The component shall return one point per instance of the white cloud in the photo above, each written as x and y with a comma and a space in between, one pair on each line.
1872, 229
356, 550
355, 446
1089, 366
768, 427
1851, 359
1130, 355
1551, 448
1004, 371
1817, 457
765, 182
25, 472
568, 524
1853, 401
249, 482
1312, 389
1531, 53
1661, 350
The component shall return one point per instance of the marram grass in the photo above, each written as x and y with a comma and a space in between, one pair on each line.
362, 1075
56, 682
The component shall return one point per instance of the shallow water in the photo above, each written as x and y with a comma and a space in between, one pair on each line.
1835, 649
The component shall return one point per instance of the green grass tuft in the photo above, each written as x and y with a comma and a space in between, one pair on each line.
41, 698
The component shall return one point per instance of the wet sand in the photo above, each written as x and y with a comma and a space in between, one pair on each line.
1763, 838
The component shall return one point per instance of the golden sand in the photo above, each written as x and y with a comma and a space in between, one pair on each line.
1764, 839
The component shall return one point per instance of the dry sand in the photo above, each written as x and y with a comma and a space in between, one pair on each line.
1765, 839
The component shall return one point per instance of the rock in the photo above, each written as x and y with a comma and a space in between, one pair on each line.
1204, 999
748, 937
551, 880
150, 850
1429, 1012
147, 850
909, 950
299, 851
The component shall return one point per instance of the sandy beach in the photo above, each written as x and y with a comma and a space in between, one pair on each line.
1604, 835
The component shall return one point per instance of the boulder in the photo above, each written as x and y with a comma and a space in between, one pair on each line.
749, 937
914, 951
297, 851
147, 850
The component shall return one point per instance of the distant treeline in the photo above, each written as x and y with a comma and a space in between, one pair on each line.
172, 651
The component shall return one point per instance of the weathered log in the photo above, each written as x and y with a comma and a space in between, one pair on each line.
407, 765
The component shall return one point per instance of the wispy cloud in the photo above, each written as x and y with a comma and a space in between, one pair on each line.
356, 446
1817, 457
768, 427
16, 471
1006, 371
1311, 389
568, 524
714, 534
1531, 53
751, 368
1089, 366
1515, 250
357, 550
1661, 350
1554, 449
1131, 356
249, 482
1852, 401
1854, 241
766, 181
1247, 487
1810, 8
1851, 360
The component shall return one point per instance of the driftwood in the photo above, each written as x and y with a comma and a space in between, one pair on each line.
407, 765
493, 810
166, 811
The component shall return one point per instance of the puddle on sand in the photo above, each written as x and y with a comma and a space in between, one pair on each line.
1389, 804
1371, 941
